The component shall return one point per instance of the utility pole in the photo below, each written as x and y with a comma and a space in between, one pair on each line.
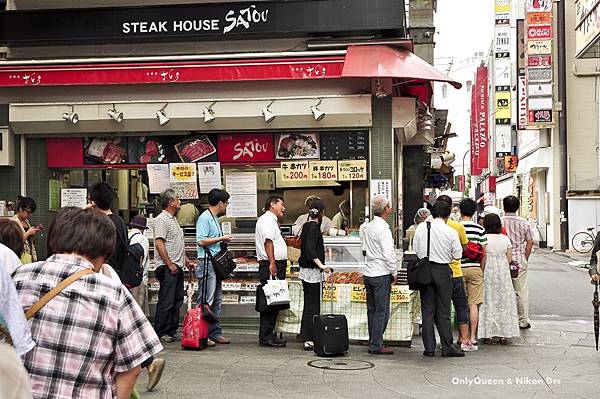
562, 126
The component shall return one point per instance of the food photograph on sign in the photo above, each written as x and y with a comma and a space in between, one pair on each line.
105, 150
195, 148
297, 146
147, 149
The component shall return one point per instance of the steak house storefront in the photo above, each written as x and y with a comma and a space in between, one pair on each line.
292, 123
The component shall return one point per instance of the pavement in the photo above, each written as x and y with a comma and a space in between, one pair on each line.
556, 358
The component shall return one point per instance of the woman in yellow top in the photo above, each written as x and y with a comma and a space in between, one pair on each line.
25, 208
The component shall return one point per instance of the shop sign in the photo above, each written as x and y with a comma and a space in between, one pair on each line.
294, 171
242, 148
400, 294
75, 197
502, 34
539, 18
479, 122
539, 47
503, 140
539, 103
503, 113
503, 68
502, 9
510, 163
522, 110
539, 32
587, 25
358, 293
541, 116
352, 170
184, 180
520, 46
539, 61
539, 5
539, 89
539, 75
381, 187
330, 292
323, 170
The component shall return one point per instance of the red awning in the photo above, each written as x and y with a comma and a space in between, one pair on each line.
386, 62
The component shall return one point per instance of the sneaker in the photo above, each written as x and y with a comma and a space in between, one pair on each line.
309, 345
167, 338
222, 340
155, 371
468, 347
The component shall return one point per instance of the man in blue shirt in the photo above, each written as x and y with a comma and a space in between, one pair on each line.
210, 235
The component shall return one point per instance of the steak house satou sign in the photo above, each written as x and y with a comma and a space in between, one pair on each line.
208, 21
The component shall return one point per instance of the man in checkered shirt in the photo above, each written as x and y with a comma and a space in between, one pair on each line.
92, 337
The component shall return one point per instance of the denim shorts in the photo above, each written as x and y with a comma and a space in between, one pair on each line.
459, 299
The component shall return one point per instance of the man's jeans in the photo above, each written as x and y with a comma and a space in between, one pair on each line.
214, 296
378, 308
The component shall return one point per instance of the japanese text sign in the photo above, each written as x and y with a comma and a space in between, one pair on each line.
352, 170
323, 170
294, 171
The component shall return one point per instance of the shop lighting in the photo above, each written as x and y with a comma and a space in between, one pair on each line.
71, 116
317, 113
381, 92
266, 111
115, 115
162, 116
209, 114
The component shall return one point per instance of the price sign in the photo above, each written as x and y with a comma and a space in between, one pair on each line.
400, 293
183, 172
330, 292
294, 171
352, 170
323, 170
358, 293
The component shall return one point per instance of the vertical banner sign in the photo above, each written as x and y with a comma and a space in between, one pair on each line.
479, 123
522, 90
521, 62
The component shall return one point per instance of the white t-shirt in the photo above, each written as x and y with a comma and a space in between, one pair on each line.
138, 237
267, 228
445, 245
9, 259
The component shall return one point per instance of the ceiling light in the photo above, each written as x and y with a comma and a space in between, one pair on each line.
209, 114
115, 115
266, 111
162, 117
317, 113
71, 116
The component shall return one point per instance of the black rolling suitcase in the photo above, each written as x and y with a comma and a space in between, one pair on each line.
330, 333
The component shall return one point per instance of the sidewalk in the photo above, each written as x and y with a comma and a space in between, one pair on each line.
555, 359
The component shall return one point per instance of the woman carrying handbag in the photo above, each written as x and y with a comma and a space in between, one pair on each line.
312, 259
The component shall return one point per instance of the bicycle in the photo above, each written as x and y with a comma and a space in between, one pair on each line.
583, 241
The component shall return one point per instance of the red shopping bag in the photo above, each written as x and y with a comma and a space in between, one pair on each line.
195, 330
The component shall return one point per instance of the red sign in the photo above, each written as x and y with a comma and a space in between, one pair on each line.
538, 32
245, 148
540, 116
479, 123
539, 61
461, 183
510, 163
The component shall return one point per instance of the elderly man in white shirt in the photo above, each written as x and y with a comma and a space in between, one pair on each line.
271, 252
380, 273
435, 298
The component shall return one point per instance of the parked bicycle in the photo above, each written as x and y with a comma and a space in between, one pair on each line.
583, 241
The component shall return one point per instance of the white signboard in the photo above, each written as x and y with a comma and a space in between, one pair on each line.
381, 186
503, 69
522, 106
502, 39
539, 47
209, 175
539, 89
242, 187
503, 139
540, 103
539, 5
158, 178
539, 75
529, 141
76, 197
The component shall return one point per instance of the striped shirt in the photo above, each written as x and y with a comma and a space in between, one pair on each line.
475, 233
519, 231
167, 228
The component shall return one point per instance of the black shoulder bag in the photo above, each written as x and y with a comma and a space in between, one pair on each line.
222, 262
419, 271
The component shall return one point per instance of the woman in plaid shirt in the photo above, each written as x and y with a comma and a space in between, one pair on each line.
92, 337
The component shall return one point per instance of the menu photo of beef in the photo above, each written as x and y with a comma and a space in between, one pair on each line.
195, 148
105, 150
298, 146
147, 149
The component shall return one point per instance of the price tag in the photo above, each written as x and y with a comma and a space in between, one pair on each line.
294, 171
358, 293
352, 170
400, 293
183, 172
330, 292
323, 170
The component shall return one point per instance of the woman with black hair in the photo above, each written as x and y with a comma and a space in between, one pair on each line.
25, 208
498, 314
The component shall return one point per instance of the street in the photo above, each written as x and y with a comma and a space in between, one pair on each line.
554, 359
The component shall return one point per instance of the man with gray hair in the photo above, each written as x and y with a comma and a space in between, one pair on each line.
168, 241
380, 273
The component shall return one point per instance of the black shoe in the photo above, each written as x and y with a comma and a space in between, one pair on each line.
428, 354
384, 350
273, 343
454, 353
525, 327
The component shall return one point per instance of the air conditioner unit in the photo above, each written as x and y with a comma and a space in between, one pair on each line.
7, 147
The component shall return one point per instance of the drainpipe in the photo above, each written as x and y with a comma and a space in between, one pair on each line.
562, 127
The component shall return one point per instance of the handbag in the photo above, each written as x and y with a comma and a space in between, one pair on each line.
474, 251
419, 271
514, 269
207, 313
277, 292
294, 244
223, 263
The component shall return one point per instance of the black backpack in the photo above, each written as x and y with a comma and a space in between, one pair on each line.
132, 271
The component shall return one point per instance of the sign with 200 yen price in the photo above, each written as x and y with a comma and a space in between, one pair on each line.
330, 292
294, 171
352, 170
323, 170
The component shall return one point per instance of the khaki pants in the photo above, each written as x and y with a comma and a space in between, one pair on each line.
14, 379
522, 291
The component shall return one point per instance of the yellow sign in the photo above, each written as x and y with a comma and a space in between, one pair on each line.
330, 292
400, 293
352, 170
323, 170
294, 171
358, 293
503, 105
183, 172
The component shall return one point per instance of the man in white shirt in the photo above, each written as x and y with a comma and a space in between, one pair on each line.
435, 298
271, 252
380, 273
326, 223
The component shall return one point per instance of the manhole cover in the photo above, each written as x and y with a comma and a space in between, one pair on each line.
340, 364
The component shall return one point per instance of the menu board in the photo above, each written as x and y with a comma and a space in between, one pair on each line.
352, 170
323, 170
209, 175
295, 171
158, 178
242, 187
345, 145
183, 180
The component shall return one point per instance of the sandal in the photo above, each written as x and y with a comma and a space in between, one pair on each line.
503, 341
474, 342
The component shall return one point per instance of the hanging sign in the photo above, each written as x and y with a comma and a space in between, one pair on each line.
503, 107
295, 171
479, 122
503, 140
323, 170
510, 163
539, 75
522, 110
539, 18
539, 5
537, 32
539, 89
539, 47
539, 61
534, 103
352, 170
541, 116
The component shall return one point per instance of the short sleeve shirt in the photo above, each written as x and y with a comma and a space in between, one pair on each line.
207, 227
167, 228
267, 228
462, 237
